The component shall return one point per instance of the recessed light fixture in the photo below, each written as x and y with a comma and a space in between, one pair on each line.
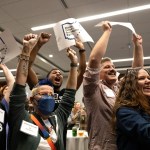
100, 16
50, 55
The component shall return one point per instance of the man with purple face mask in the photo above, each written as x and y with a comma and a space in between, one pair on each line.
45, 127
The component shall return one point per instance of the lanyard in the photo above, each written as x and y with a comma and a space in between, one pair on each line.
45, 133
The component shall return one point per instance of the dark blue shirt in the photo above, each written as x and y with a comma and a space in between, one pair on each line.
133, 129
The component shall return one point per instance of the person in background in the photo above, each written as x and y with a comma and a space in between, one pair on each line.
132, 111
77, 116
4, 106
42, 98
100, 88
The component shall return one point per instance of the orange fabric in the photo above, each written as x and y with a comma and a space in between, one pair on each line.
50, 142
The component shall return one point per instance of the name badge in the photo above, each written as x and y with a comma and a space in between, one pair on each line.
2, 113
29, 128
109, 93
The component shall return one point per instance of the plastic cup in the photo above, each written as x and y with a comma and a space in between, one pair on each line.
80, 133
74, 131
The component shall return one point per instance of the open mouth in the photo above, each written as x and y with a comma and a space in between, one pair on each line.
57, 80
112, 73
147, 88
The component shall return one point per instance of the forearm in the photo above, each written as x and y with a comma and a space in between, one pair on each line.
138, 55
22, 69
9, 80
72, 78
99, 50
32, 79
34, 53
8, 75
81, 68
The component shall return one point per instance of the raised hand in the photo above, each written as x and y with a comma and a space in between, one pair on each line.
29, 42
43, 38
137, 39
106, 26
79, 44
72, 55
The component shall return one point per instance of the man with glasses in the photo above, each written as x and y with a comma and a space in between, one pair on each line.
47, 133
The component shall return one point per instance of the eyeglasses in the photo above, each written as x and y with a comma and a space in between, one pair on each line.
134, 71
42, 94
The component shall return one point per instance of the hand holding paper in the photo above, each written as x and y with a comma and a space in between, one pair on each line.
125, 24
137, 39
67, 31
79, 44
106, 25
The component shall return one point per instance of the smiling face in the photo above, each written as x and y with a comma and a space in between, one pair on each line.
144, 82
56, 78
108, 72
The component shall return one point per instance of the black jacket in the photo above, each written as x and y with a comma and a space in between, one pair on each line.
3, 129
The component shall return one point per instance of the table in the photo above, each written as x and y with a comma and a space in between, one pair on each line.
78, 142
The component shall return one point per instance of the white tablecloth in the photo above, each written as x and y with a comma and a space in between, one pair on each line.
78, 142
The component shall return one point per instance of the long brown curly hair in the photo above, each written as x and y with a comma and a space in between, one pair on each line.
130, 94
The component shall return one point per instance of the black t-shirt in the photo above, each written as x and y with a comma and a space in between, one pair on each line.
58, 97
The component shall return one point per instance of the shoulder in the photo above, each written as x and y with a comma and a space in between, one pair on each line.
127, 112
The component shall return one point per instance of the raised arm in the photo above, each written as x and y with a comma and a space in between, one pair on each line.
9, 80
100, 47
137, 52
82, 62
29, 42
72, 78
42, 39
32, 77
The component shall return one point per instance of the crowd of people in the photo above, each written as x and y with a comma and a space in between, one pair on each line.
115, 113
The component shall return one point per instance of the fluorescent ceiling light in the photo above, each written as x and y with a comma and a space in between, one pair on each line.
12, 70
43, 27
128, 59
125, 59
115, 13
109, 14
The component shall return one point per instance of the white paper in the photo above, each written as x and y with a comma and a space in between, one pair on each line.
109, 93
9, 48
67, 30
125, 24
2, 114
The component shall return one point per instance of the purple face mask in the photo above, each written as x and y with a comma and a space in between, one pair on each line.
46, 104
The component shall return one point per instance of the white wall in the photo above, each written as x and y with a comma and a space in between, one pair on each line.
79, 93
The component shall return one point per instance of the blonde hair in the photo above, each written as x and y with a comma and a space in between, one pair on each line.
34, 91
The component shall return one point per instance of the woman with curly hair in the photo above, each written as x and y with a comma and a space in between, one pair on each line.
132, 111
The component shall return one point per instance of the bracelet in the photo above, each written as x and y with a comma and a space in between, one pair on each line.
82, 50
73, 64
24, 57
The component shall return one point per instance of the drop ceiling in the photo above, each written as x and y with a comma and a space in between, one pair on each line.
21, 15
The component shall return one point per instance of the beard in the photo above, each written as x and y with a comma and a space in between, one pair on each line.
57, 87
